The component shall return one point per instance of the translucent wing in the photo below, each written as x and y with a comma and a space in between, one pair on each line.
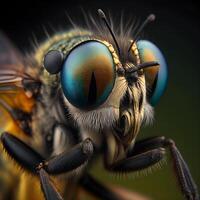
17, 79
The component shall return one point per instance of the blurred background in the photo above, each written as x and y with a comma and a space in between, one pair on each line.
176, 32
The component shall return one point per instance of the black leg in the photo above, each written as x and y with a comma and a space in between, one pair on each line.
64, 162
70, 160
138, 162
32, 161
21, 152
140, 157
147, 144
29, 159
183, 174
50, 192
97, 189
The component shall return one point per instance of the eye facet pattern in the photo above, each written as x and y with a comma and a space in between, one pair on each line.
88, 75
156, 78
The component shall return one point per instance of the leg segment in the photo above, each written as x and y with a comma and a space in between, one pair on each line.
35, 163
21, 152
146, 145
149, 151
70, 160
48, 188
64, 162
30, 160
138, 162
183, 174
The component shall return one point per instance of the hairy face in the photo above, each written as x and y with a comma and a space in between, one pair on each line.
123, 98
126, 107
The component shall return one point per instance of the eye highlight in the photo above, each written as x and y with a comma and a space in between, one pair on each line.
88, 75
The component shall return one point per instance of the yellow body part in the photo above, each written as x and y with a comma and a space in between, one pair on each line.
29, 188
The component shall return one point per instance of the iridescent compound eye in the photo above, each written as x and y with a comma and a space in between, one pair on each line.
156, 78
88, 75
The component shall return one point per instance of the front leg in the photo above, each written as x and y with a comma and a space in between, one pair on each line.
150, 151
70, 160
49, 190
64, 162
29, 159
138, 162
182, 171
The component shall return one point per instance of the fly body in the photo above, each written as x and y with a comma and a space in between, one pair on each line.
80, 94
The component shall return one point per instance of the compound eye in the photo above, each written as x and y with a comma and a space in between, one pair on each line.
156, 77
88, 75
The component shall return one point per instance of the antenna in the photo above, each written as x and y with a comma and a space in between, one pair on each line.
149, 19
143, 66
103, 17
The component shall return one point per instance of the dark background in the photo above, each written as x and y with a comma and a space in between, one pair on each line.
177, 33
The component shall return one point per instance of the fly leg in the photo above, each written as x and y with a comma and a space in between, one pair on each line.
69, 160
49, 190
149, 151
28, 158
64, 162
24, 155
182, 171
138, 162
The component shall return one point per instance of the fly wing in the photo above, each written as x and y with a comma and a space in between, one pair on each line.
17, 85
